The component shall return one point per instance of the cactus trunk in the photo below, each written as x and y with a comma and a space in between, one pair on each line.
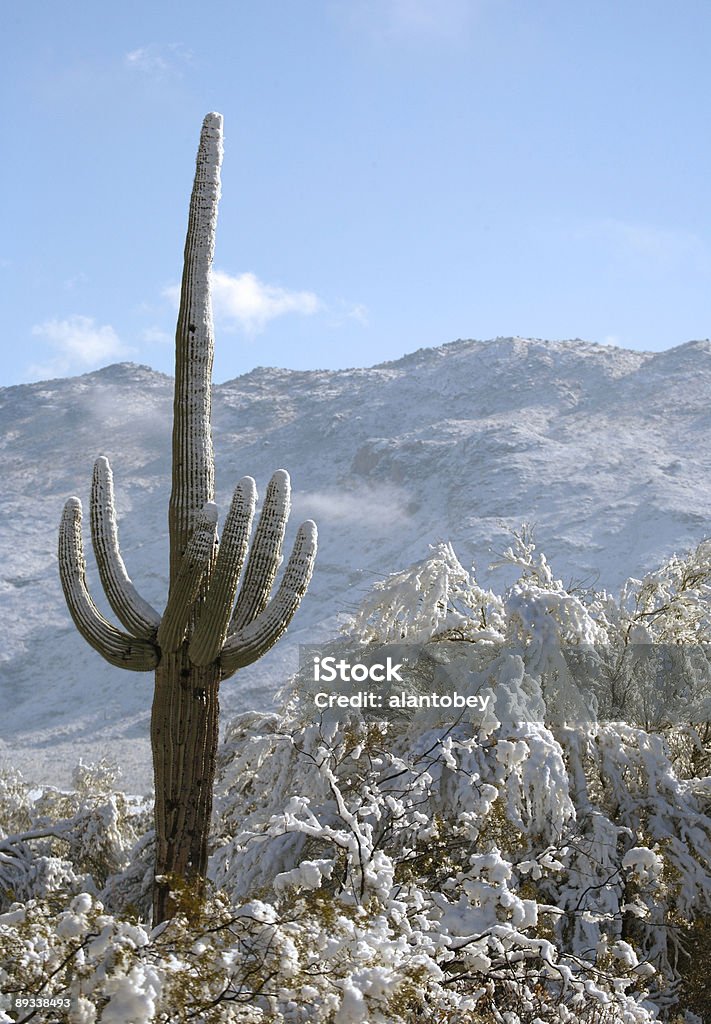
208, 630
184, 735
184, 718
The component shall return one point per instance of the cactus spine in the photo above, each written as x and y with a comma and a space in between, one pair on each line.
208, 630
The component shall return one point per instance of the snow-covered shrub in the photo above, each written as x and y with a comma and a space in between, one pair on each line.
509, 830
643, 657
478, 854
54, 841
434, 596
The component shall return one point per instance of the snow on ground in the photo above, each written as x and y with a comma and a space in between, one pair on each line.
604, 450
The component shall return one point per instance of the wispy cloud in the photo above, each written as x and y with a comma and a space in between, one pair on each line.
80, 344
647, 246
358, 312
429, 17
342, 313
76, 281
377, 506
249, 304
156, 336
158, 60
412, 20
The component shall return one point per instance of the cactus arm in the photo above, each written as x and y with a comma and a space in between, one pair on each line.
139, 618
193, 482
255, 639
185, 589
265, 554
211, 630
116, 647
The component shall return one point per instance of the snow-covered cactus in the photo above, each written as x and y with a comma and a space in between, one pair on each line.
207, 630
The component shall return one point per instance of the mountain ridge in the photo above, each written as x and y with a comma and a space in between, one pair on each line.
604, 449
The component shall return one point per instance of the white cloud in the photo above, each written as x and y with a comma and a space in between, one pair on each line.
246, 302
81, 344
251, 304
377, 506
157, 60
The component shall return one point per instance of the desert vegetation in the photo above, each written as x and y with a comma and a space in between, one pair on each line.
546, 861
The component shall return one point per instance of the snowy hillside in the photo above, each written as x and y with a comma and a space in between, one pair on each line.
604, 450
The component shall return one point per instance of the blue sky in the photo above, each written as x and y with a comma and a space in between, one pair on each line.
398, 174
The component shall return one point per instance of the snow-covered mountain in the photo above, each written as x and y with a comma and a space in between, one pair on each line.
604, 450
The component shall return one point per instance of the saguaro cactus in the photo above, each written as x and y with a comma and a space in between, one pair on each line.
208, 630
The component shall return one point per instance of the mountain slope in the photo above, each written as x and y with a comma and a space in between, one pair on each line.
603, 449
